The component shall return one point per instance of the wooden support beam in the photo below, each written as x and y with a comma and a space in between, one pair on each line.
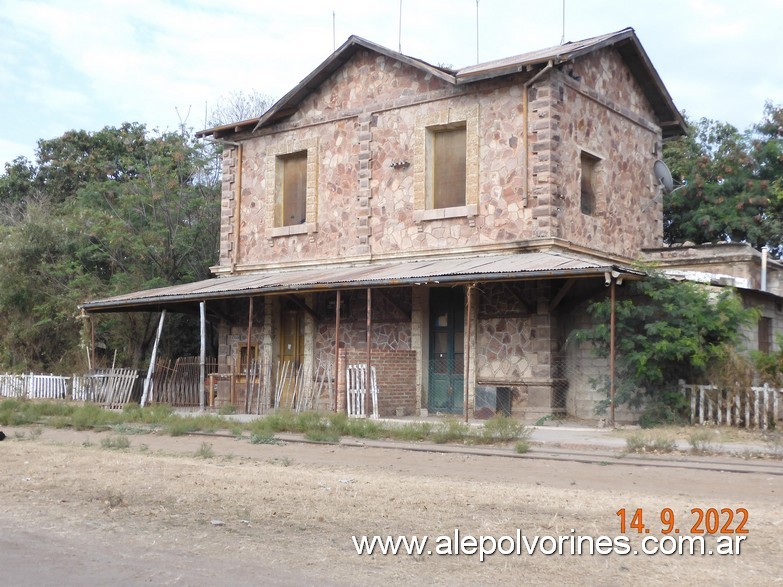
303, 306
525, 303
561, 294
404, 310
153, 358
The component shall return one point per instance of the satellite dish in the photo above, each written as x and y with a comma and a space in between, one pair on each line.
663, 176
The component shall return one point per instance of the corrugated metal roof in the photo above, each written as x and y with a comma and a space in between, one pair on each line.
407, 272
562, 52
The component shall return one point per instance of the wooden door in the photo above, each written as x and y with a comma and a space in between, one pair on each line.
447, 325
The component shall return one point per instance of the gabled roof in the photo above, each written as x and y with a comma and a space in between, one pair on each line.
625, 41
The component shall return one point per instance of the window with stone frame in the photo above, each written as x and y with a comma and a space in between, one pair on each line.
291, 189
588, 165
446, 166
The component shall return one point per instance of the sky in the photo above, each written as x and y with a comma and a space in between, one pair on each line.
88, 64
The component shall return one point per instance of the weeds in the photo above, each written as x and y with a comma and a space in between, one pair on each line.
115, 443
522, 446
205, 451
264, 439
701, 441
502, 429
411, 432
450, 430
653, 443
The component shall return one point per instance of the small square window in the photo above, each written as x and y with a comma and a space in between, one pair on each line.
589, 167
291, 189
446, 166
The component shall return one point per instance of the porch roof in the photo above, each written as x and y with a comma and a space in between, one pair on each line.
521, 266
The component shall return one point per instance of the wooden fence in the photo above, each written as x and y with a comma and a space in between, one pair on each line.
178, 382
757, 407
35, 386
109, 387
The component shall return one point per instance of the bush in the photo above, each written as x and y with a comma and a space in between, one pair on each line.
450, 430
502, 429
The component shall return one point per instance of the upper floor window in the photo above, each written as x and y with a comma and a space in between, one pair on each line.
446, 166
588, 171
291, 189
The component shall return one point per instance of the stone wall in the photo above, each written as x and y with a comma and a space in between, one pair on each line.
598, 108
371, 113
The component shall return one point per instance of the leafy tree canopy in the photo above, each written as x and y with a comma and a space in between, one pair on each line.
97, 214
665, 331
734, 188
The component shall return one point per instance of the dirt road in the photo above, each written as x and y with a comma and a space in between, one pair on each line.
73, 512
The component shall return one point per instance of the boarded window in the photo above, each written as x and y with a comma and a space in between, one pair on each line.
446, 166
291, 189
588, 165
765, 335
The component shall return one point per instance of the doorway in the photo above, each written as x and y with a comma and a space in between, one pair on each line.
447, 339
290, 353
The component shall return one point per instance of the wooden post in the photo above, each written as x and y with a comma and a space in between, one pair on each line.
91, 356
336, 346
369, 352
247, 359
203, 355
466, 358
154, 356
612, 324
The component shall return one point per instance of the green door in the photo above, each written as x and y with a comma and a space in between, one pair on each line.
447, 323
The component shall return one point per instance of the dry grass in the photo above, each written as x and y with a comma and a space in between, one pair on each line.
275, 507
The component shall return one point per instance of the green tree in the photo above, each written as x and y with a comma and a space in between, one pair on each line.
734, 184
665, 331
100, 213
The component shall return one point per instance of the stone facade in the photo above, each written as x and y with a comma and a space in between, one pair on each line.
360, 205
364, 128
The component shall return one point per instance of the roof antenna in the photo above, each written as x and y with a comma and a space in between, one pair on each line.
399, 34
562, 39
477, 33
334, 33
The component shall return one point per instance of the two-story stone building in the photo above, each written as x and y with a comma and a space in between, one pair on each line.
445, 224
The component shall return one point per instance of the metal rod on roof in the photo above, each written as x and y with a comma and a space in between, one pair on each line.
562, 39
477, 32
399, 34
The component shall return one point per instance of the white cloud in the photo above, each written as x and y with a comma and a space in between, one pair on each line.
94, 63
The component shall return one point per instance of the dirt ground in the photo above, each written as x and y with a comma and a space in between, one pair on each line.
201, 510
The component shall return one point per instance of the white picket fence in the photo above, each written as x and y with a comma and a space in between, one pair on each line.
356, 379
109, 387
757, 407
32, 386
